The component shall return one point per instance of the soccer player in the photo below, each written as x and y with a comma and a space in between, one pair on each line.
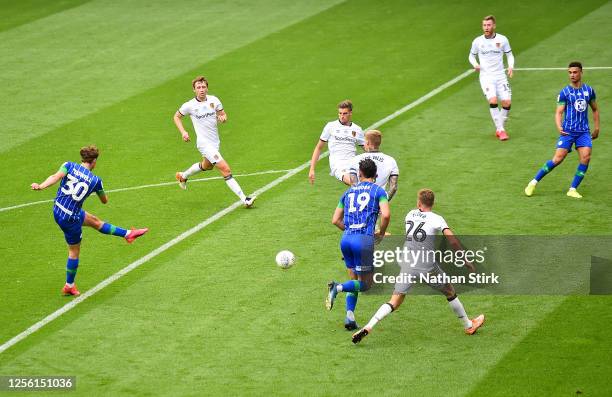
77, 183
387, 171
422, 225
356, 215
206, 111
490, 49
572, 105
342, 136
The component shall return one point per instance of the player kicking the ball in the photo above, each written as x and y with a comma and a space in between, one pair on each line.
356, 215
490, 49
342, 136
77, 183
422, 225
205, 112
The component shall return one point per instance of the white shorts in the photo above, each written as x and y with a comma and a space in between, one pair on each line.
402, 288
339, 172
211, 153
495, 87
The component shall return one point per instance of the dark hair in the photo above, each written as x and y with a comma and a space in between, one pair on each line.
89, 154
367, 168
199, 79
575, 64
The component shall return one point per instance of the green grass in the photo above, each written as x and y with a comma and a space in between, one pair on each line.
213, 315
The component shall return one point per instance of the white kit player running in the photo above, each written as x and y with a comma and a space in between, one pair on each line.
422, 226
490, 49
342, 137
205, 112
387, 171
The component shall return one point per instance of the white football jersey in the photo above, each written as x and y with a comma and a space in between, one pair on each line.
386, 166
491, 52
421, 230
342, 140
204, 118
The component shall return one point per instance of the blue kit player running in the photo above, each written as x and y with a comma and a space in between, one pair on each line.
356, 215
77, 183
573, 105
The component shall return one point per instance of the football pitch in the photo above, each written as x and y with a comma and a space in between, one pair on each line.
198, 306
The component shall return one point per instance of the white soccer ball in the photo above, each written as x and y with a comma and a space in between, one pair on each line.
285, 259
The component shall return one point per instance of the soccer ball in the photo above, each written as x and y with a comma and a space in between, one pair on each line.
285, 259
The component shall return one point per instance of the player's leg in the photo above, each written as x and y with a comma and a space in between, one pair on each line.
346, 247
505, 94
489, 90
72, 265
470, 326
382, 312
351, 303
583, 146
226, 172
107, 228
563, 146
195, 168
346, 178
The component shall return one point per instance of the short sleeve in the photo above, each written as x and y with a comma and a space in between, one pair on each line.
394, 168
185, 109
360, 137
99, 187
382, 195
326, 134
474, 49
592, 97
506, 46
562, 99
218, 105
354, 165
341, 202
65, 168
442, 224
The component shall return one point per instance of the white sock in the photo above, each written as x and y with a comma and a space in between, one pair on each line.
533, 182
350, 315
70, 285
504, 116
339, 287
381, 313
457, 307
495, 115
194, 169
233, 184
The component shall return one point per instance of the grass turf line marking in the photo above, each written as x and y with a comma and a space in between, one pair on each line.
545, 69
123, 189
111, 279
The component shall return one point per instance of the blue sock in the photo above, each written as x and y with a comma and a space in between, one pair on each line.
582, 169
549, 166
107, 228
351, 301
71, 269
351, 286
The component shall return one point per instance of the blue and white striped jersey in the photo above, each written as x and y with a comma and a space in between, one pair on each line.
576, 101
74, 189
361, 205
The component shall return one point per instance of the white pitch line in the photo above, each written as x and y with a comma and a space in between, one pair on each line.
69, 306
565, 68
123, 189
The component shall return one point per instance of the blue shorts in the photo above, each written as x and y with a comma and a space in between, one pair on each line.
72, 226
581, 140
358, 252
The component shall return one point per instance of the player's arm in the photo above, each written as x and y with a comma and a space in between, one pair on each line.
102, 196
595, 109
221, 116
51, 180
456, 245
385, 216
337, 218
178, 121
472, 56
510, 58
392, 186
559, 117
315, 157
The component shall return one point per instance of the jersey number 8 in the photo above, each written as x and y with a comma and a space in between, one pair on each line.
74, 189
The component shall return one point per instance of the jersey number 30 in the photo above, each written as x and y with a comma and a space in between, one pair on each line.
362, 199
74, 189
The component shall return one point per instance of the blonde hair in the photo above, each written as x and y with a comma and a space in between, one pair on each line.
374, 137
489, 18
426, 197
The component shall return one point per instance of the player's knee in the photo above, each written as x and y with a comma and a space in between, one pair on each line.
558, 159
493, 104
585, 158
506, 105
